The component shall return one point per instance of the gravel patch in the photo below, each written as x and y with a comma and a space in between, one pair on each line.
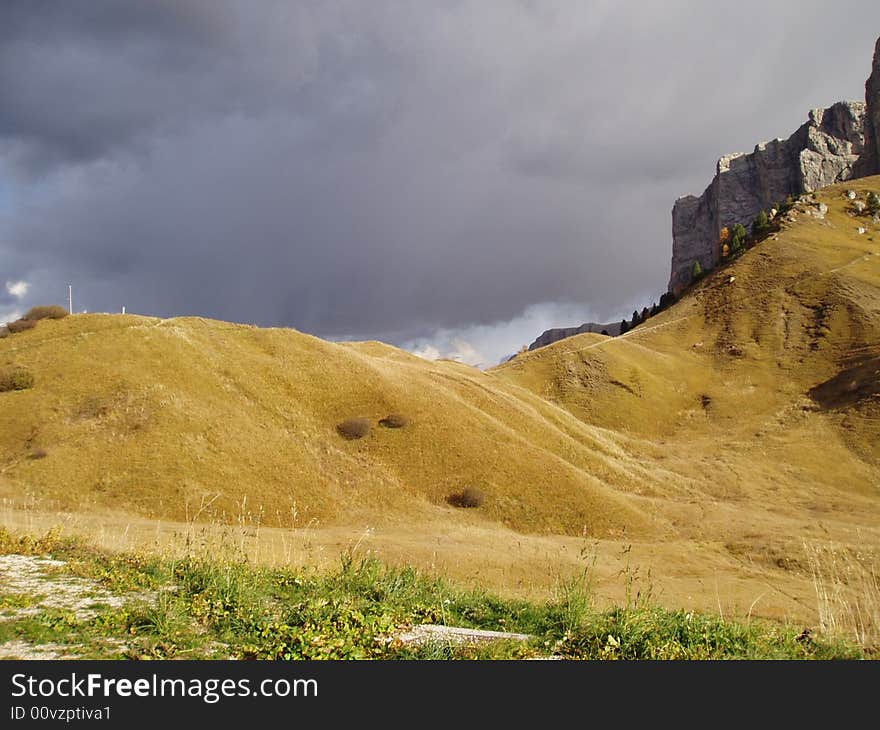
44, 585
29, 575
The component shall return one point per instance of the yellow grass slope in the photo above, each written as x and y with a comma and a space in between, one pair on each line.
185, 417
762, 386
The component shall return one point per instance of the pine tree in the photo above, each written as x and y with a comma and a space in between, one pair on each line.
761, 225
738, 238
624, 327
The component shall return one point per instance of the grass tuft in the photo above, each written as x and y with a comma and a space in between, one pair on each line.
847, 586
15, 378
354, 428
50, 311
20, 325
468, 498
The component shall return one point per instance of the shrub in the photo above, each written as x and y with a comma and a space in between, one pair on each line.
697, 271
394, 420
354, 428
20, 325
469, 497
38, 454
15, 378
4, 332
761, 225
783, 206
50, 311
873, 203
739, 237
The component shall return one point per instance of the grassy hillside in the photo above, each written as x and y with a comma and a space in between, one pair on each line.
175, 417
720, 438
762, 381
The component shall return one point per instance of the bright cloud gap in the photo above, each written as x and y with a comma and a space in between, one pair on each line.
487, 345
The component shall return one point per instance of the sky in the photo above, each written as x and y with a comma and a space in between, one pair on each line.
452, 177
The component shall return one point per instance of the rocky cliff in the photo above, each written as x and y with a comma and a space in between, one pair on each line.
872, 119
836, 144
548, 337
822, 152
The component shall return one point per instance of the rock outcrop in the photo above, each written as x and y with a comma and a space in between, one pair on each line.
872, 118
548, 337
824, 151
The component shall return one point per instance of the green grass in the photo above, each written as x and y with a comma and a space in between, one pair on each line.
202, 607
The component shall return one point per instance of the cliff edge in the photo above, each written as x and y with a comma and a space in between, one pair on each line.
824, 151
872, 119
836, 144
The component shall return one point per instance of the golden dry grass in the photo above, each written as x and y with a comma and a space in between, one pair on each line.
165, 417
714, 439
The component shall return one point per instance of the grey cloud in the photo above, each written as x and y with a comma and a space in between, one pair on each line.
386, 169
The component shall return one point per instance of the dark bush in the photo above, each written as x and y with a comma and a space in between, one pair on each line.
739, 236
467, 498
761, 225
354, 428
394, 420
667, 299
873, 203
14, 378
20, 325
49, 311
38, 454
783, 206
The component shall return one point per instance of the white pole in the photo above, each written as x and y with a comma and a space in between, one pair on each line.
123, 309
70, 298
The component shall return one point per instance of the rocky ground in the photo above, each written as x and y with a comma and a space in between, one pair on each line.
31, 586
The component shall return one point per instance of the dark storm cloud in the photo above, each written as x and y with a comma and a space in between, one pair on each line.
80, 78
385, 169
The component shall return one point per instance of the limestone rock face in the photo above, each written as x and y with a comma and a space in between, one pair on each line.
824, 151
872, 121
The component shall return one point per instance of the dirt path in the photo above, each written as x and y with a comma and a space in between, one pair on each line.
631, 333
856, 260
